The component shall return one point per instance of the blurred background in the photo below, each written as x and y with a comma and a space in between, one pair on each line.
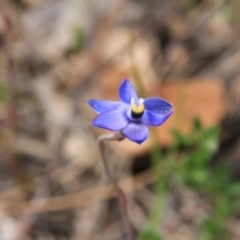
183, 182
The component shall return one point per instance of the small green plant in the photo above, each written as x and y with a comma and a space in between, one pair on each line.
214, 182
195, 151
188, 161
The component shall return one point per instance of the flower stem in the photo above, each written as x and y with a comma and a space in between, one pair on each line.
122, 199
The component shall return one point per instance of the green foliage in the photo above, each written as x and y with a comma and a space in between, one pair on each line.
212, 229
188, 161
149, 234
78, 38
214, 181
196, 149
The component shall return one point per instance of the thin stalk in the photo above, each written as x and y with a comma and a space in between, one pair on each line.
122, 199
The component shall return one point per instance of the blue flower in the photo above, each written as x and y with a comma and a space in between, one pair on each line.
132, 115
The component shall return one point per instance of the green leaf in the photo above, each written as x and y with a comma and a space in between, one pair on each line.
180, 139
196, 125
149, 234
78, 38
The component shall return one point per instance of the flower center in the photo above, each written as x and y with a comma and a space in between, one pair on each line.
137, 110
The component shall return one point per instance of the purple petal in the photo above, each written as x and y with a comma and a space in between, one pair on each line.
158, 105
113, 120
153, 119
103, 106
126, 92
136, 132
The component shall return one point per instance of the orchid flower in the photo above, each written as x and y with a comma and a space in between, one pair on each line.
132, 114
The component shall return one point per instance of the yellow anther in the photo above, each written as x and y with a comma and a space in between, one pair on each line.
137, 109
